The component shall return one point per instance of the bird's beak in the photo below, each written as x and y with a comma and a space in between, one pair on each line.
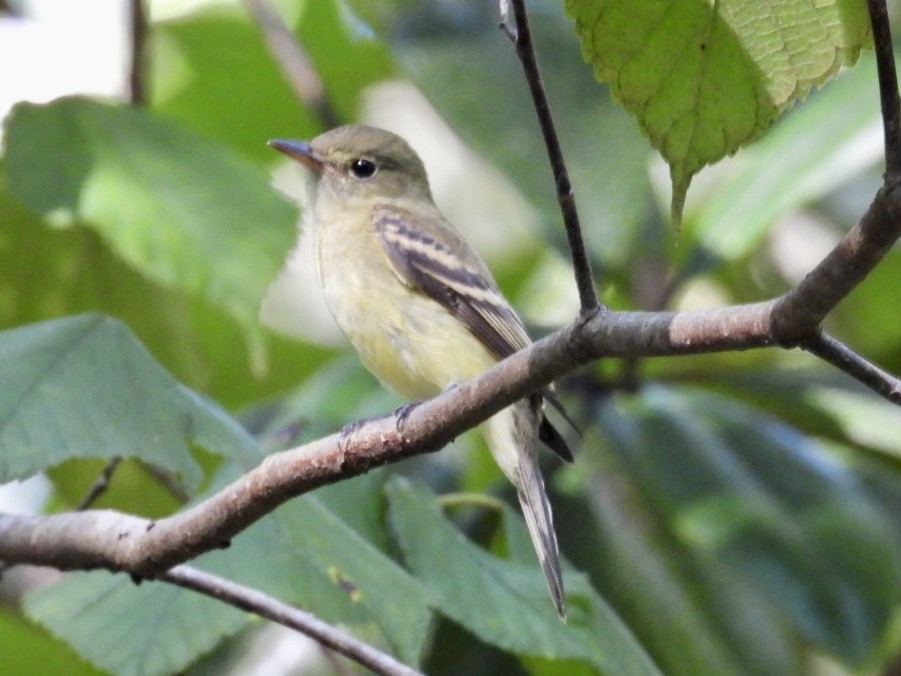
301, 151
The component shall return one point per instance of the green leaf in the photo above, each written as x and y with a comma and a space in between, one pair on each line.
27, 649
240, 96
391, 597
175, 206
85, 387
866, 420
506, 603
129, 629
659, 599
807, 155
704, 79
739, 490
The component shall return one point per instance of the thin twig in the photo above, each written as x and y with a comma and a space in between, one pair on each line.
295, 63
521, 36
841, 356
263, 605
101, 483
136, 90
888, 84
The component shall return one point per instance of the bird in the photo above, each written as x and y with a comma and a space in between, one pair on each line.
418, 304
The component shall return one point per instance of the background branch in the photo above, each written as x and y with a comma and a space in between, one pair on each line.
138, 66
264, 605
294, 62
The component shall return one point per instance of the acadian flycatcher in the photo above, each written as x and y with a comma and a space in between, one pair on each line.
418, 304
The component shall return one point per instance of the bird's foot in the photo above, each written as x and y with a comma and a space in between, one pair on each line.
349, 430
401, 413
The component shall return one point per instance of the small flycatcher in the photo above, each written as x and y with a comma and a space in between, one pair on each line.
418, 304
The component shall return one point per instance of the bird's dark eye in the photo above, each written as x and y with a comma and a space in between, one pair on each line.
362, 168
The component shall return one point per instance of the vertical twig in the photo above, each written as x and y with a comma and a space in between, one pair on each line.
136, 90
888, 84
294, 61
521, 36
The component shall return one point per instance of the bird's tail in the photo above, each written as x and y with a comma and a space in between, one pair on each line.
513, 437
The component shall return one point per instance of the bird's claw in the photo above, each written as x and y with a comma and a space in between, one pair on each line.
401, 413
348, 431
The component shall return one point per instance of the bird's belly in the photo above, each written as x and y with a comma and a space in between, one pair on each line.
406, 339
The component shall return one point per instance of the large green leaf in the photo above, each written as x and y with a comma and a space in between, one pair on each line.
182, 210
47, 272
704, 79
85, 387
506, 603
661, 603
393, 599
750, 497
132, 630
28, 650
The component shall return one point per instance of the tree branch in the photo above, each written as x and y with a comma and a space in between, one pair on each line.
263, 605
888, 84
115, 541
294, 61
799, 312
106, 539
839, 355
521, 36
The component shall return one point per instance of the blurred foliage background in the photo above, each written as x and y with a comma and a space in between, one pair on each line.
728, 513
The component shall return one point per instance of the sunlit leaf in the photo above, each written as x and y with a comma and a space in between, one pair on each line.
174, 205
704, 79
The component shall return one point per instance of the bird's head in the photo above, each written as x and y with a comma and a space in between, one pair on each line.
359, 163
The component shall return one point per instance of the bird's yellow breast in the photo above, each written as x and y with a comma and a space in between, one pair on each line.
410, 342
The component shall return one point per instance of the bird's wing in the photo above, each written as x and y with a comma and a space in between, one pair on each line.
421, 256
